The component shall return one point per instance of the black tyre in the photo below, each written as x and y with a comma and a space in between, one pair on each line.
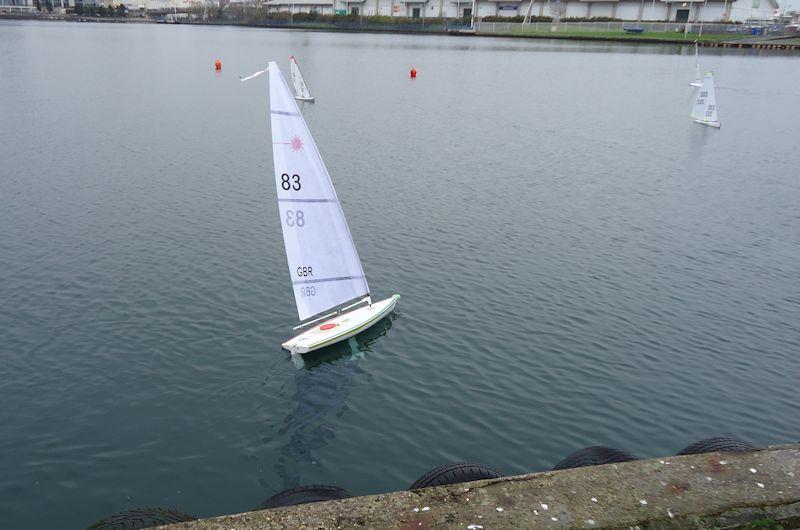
141, 518
594, 456
453, 474
720, 444
303, 495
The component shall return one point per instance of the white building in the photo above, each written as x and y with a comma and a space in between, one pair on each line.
647, 10
16, 6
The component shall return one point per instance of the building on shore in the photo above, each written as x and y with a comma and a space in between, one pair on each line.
16, 6
144, 5
644, 10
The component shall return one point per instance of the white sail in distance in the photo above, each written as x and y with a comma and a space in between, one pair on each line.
323, 262
300, 88
705, 105
697, 80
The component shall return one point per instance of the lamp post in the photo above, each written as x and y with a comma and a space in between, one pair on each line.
472, 15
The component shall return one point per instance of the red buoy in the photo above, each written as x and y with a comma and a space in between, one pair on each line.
217, 65
413, 72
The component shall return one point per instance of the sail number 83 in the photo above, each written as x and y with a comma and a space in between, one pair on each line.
295, 218
290, 183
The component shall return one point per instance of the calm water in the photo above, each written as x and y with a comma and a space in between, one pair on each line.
579, 264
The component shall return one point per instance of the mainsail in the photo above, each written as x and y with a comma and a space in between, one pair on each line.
705, 106
323, 262
300, 88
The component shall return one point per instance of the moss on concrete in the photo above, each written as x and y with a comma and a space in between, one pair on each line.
716, 490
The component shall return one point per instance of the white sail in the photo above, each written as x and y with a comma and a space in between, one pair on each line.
696, 64
300, 88
705, 106
323, 262
697, 80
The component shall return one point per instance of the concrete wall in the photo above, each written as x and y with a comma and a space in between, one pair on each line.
715, 490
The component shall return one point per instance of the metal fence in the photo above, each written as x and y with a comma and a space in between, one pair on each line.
365, 25
517, 28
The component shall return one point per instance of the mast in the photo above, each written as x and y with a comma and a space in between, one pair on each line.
696, 62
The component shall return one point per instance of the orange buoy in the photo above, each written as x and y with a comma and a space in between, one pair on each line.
217, 65
413, 72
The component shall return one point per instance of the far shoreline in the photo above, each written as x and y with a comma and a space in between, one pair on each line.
715, 41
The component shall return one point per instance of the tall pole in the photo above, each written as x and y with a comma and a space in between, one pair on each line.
528, 15
472, 15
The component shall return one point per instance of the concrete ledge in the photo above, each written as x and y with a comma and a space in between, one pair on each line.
716, 490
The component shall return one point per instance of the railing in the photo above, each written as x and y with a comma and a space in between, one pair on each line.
365, 25
356, 25
692, 29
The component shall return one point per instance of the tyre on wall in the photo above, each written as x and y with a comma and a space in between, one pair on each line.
303, 495
454, 474
141, 518
720, 444
594, 456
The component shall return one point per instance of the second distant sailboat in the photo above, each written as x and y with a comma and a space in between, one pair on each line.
704, 110
300, 88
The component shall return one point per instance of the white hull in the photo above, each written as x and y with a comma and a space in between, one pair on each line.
341, 327
300, 98
715, 124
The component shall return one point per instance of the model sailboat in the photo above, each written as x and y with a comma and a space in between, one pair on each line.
330, 289
697, 80
300, 88
705, 106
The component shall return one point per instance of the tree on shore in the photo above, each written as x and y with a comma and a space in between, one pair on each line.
122, 10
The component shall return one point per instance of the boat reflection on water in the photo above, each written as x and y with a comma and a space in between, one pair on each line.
354, 347
321, 388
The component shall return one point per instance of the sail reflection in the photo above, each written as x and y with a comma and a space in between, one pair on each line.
322, 385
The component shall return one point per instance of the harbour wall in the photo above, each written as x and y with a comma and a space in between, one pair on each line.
564, 31
759, 489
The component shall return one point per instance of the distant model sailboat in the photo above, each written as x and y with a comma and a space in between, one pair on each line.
300, 88
330, 289
705, 106
697, 80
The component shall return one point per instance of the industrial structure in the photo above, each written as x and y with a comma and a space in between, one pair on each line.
645, 10
692, 11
